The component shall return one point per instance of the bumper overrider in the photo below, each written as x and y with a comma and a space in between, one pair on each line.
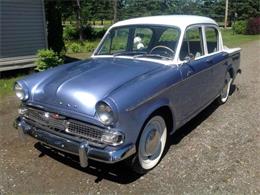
74, 145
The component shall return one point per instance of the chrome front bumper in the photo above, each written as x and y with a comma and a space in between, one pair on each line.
74, 145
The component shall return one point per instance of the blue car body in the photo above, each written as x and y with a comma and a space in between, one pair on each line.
133, 88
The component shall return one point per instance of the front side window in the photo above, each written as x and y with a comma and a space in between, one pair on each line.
211, 39
192, 46
141, 41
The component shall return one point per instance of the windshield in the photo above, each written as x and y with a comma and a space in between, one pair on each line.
141, 41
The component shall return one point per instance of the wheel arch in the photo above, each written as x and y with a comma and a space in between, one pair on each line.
161, 107
230, 70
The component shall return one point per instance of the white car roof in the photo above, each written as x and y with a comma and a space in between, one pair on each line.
181, 21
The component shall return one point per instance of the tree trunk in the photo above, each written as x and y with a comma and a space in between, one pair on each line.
79, 24
226, 14
115, 11
54, 26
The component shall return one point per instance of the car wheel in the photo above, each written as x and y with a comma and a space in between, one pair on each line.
223, 97
151, 145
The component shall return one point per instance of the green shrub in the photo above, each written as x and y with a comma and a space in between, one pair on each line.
99, 33
88, 32
47, 58
240, 27
74, 47
89, 46
70, 33
253, 26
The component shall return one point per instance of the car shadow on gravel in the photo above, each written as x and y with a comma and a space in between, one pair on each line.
192, 124
119, 172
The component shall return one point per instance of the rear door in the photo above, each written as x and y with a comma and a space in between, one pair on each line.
195, 72
218, 60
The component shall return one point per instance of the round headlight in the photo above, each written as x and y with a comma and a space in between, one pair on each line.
105, 113
19, 91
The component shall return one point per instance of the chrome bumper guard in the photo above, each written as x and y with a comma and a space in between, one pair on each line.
74, 146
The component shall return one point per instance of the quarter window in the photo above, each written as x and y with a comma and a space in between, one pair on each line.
212, 39
192, 45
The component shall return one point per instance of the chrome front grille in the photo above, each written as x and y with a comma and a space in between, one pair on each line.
59, 123
84, 130
40, 117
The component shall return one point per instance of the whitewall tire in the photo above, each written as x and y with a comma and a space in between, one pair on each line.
224, 94
151, 145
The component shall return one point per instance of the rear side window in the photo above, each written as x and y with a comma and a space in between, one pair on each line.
212, 39
192, 45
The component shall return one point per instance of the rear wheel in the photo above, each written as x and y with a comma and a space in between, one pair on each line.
151, 145
223, 97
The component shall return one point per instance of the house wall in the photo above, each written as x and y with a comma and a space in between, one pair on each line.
22, 29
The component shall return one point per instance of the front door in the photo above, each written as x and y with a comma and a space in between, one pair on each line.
196, 73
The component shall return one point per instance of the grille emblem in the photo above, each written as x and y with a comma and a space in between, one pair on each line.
48, 115
57, 116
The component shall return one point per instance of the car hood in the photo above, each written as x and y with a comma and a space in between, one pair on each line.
79, 86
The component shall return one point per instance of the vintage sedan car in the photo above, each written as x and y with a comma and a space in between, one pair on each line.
147, 78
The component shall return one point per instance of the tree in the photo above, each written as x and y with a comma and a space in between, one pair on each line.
115, 10
54, 25
78, 19
244, 9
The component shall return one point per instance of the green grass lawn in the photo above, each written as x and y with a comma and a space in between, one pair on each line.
6, 82
6, 85
235, 40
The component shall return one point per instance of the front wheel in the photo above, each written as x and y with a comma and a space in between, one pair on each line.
151, 145
223, 97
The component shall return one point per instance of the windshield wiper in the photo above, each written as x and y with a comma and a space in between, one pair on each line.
153, 55
128, 53
123, 53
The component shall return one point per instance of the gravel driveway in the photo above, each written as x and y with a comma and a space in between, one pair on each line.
217, 152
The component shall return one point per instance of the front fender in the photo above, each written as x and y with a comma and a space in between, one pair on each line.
134, 120
138, 100
145, 110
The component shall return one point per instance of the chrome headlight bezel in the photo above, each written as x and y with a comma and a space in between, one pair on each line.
113, 138
20, 91
105, 113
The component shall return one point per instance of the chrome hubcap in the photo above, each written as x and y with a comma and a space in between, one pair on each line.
152, 142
